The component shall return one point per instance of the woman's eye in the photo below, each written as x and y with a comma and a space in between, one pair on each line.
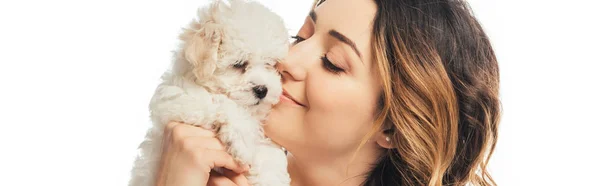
330, 66
297, 39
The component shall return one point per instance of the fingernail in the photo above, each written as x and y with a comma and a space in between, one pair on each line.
246, 167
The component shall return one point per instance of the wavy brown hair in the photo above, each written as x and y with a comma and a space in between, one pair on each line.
440, 99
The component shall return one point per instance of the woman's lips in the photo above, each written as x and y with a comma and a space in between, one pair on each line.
285, 99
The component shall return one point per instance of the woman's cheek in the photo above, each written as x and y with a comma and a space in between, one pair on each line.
337, 113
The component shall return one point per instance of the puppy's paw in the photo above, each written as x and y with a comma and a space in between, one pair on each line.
269, 167
243, 151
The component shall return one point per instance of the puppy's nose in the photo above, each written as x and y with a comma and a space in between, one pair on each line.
260, 91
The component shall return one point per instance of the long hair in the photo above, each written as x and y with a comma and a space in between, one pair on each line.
440, 100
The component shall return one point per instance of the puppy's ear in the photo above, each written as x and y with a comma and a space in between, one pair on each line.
201, 47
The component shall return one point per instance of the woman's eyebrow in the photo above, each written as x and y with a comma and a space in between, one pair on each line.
338, 35
346, 40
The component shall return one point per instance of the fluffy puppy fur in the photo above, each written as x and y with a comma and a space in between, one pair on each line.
223, 78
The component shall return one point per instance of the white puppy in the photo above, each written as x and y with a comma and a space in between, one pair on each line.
223, 78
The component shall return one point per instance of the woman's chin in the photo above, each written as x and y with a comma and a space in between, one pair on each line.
269, 124
279, 125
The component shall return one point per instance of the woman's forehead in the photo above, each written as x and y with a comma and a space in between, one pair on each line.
351, 18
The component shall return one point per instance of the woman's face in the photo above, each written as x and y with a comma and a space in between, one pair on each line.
330, 74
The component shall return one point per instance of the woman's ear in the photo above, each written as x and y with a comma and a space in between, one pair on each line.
385, 141
385, 134
384, 137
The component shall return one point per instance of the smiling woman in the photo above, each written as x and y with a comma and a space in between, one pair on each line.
388, 92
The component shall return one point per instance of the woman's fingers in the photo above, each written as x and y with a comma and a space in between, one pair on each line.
170, 127
195, 142
221, 158
189, 155
190, 138
193, 150
237, 178
227, 178
217, 179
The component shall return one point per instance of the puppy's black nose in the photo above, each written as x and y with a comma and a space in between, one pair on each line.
260, 91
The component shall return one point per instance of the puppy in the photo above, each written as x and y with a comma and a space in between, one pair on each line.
223, 78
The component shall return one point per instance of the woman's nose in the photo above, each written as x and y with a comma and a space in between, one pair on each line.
292, 68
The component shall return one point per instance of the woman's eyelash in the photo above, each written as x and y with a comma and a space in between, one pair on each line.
330, 66
297, 40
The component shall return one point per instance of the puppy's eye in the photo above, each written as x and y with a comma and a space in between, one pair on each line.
240, 64
272, 62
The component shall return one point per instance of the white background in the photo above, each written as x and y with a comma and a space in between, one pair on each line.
76, 78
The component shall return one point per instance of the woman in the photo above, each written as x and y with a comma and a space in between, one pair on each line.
384, 92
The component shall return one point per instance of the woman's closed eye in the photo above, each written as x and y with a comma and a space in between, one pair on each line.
297, 39
327, 64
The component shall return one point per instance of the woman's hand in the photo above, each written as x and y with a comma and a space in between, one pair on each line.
189, 155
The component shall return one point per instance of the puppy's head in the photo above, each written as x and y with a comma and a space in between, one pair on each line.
232, 49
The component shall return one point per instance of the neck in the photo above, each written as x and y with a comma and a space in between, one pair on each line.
332, 170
